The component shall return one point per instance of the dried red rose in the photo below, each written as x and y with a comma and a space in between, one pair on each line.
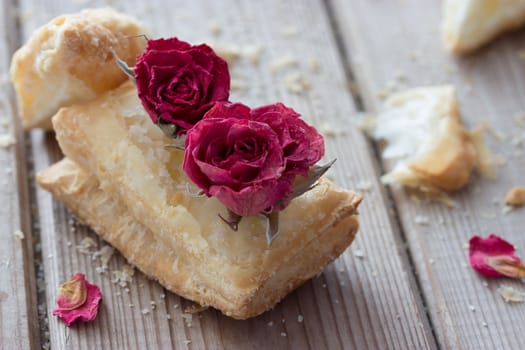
248, 158
77, 299
178, 82
494, 257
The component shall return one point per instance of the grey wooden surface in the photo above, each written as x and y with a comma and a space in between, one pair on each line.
347, 52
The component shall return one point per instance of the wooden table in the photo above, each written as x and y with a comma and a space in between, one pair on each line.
403, 284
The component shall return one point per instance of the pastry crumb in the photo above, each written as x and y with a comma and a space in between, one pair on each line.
7, 140
472, 308
283, 334
285, 62
511, 295
422, 220
515, 197
295, 83
269, 324
86, 245
104, 254
364, 186
314, 64
358, 253
327, 129
19, 234
252, 53
145, 311
123, 277
187, 342
300, 318
214, 27
195, 308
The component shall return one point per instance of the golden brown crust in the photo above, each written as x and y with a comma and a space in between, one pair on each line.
515, 197
69, 61
470, 24
235, 272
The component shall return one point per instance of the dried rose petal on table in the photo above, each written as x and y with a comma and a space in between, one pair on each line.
77, 298
494, 257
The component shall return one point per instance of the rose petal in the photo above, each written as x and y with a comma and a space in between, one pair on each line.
86, 311
494, 257
72, 293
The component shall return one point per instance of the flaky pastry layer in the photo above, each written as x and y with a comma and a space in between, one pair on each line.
235, 272
69, 61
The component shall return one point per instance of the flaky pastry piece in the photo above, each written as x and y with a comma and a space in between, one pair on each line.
424, 136
204, 260
469, 24
69, 61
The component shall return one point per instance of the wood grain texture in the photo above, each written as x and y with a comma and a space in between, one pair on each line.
18, 316
397, 43
357, 303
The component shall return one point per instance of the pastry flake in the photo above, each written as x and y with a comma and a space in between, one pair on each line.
469, 24
424, 136
68, 61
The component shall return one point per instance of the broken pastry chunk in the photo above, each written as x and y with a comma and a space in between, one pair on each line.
424, 136
69, 60
469, 24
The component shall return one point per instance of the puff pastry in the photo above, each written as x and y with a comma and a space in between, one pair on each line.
138, 201
469, 24
69, 61
424, 135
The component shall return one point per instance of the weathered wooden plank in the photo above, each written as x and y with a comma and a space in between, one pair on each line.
18, 315
386, 40
361, 303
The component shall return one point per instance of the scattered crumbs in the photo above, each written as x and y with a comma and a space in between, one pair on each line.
515, 197
324, 285
283, 334
123, 277
506, 209
498, 135
464, 265
69, 244
19, 234
86, 245
472, 308
186, 342
50, 256
153, 304
104, 254
485, 284
398, 316
269, 324
336, 301
422, 220
283, 320
511, 295
327, 129
295, 83
7, 140
374, 273
127, 290
162, 295
187, 319
141, 285
300, 318
145, 311
431, 261
290, 31
314, 64
286, 61
465, 246
195, 308
214, 27
364, 186
118, 294
252, 53
382, 94
358, 253
485, 324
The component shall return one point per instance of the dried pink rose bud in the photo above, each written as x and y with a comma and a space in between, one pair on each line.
77, 299
494, 257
